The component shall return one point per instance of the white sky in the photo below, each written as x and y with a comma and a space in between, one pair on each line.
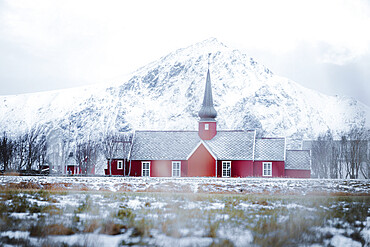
52, 44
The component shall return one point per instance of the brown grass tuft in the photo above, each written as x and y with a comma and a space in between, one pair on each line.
111, 228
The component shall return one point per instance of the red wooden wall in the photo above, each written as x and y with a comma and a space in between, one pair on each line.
278, 168
115, 171
207, 134
135, 168
201, 163
239, 168
158, 168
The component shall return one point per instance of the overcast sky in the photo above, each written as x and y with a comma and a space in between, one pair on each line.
52, 44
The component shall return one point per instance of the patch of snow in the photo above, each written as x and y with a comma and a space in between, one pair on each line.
341, 241
240, 237
135, 204
23, 216
215, 205
15, 234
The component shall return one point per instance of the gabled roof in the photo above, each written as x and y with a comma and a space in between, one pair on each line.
163, 145
270, 149
232, 145
122, 150
298, 159
178, 145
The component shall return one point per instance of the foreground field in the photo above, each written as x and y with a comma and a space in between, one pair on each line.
271, 186
270, 214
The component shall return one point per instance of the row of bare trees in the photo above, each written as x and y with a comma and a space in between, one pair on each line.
26, 152
117, 145
32, 150
348, 157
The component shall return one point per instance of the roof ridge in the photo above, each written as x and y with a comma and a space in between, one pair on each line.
269, 138
235, 130
192, 130
166, 131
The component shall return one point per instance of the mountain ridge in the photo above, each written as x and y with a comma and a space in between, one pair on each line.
167, 94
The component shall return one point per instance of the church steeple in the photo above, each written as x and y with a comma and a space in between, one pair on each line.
207, 114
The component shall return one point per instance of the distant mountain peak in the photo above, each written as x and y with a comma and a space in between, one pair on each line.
167, 94
210, 45
211, 42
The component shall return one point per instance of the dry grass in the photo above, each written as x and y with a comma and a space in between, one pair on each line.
267, 217
111, 228
42, 230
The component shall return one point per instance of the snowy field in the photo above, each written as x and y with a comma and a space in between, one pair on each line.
272, 186
116, 211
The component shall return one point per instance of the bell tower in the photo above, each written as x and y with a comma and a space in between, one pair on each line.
207, 123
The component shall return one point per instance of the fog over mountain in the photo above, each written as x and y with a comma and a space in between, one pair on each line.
167, 95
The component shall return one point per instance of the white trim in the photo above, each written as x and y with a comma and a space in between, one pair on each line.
142, 168
174, 162
263, 169
216, 167
118, 162
197, 146
226, 162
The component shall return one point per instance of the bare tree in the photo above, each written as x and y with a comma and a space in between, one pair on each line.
365, 170
6, 151
117, 145
109, 147
321, 155
32, 145
334, 158
87, 155
354, 152
21, 151
357, 150
126, 140
41, 149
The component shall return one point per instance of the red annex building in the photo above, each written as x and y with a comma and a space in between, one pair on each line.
209, 152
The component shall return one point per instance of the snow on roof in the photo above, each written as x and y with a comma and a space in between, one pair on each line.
270, 149
298, 159
163, 145
232, 145
122, 150
177, 145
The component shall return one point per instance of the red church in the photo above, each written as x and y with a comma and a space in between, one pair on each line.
209, 152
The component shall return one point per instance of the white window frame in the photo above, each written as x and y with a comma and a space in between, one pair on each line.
145, 169
267, 171
119, 164
176, 170
226, 172
206, 126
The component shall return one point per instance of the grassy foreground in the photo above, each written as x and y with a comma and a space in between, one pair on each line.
44, 218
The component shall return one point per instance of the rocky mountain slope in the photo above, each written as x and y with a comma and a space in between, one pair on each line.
167, 94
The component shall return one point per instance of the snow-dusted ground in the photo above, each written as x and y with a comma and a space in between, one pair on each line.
275, 186
114, 211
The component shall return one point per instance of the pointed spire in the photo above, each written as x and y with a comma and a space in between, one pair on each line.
208, 112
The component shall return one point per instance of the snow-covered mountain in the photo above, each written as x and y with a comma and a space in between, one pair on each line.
167, 94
